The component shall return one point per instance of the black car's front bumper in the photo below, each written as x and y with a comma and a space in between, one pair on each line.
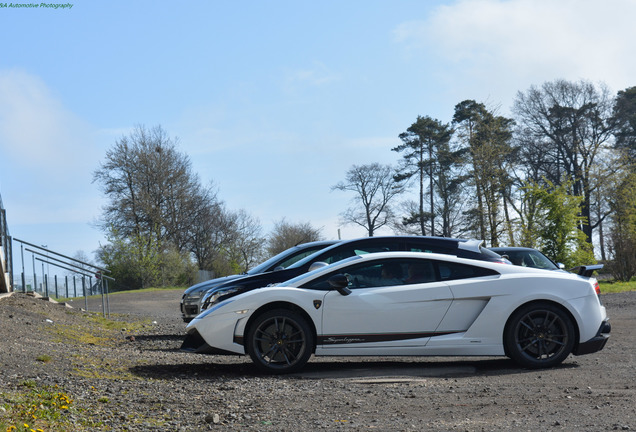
597, 342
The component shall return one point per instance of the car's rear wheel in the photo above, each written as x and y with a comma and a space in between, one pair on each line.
539, 335
279, 341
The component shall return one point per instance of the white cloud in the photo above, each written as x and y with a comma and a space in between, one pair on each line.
504, 46
318, 74
34, 127
49, 154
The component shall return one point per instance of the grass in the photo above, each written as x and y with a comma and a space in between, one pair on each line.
33, 407
608, 287
44, 358
66, 299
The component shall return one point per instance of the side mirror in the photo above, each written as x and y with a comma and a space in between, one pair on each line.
340, 283
317, 265
561, 266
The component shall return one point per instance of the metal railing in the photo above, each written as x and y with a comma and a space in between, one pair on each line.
73, 265
6, 253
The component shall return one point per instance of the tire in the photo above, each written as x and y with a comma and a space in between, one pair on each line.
279, 341
539, 335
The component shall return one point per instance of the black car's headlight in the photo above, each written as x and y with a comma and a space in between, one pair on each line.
212, 297
193, 297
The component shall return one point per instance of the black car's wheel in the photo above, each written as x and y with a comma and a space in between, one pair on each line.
279, 341
539, 335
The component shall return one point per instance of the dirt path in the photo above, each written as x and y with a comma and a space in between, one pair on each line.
150, 385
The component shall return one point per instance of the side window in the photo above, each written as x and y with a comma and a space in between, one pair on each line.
453, 271
390, 272
293, 259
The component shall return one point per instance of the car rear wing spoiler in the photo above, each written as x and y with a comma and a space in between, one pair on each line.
471, 245
587, 270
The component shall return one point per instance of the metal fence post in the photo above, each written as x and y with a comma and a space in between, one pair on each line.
84, 292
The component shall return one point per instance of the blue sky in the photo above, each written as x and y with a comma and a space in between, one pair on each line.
272, 100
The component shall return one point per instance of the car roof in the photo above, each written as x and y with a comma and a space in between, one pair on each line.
498, 267
512, 248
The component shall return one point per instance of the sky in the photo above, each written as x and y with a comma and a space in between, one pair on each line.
273, 101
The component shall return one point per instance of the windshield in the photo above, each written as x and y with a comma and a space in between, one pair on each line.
262, 267
286, 258
312, 257
530, 258
292, 282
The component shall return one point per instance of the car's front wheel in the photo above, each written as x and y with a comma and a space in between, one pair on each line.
279, 341
539, 335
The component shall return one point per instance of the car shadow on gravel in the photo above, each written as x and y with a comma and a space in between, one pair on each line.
242, 367
196, 371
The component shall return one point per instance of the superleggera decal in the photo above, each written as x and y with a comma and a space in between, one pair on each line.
366, 338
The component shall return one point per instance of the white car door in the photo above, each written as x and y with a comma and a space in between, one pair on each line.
404, 313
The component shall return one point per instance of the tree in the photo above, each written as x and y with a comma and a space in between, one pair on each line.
420, 148
141, 262
557, 219
245, 248
285, 235
375, 187
226, 242
625, 121
487, 138
569, 125
151, 189
160, 211
622, 238
450, 188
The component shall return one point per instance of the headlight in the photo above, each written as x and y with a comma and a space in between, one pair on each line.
212, 297
194, 296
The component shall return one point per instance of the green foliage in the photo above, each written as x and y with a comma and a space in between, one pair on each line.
622, 242
625, 118
421, 148
555, 225
140, 261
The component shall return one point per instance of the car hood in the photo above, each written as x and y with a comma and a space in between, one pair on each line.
206, 285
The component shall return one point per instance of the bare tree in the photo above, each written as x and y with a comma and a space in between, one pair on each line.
158, 205
375, 186
245, 248
286, 234
569, 126
151, 188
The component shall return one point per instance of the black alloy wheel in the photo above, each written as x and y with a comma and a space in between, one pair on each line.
539, 335
280, 341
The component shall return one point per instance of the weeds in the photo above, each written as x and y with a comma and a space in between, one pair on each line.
34, 408
44, 358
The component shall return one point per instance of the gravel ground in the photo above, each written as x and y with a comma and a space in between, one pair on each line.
126, 374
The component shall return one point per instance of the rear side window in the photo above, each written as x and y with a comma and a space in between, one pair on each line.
454, 271
447, 249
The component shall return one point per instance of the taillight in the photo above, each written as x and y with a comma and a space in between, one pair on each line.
597, 288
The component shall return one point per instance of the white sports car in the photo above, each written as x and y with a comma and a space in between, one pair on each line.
408, 303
